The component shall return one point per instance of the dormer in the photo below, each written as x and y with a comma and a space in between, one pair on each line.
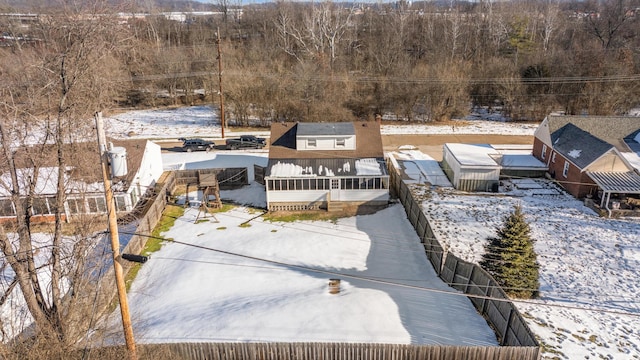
325, 136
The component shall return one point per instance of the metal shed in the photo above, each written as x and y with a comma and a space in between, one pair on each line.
471, 167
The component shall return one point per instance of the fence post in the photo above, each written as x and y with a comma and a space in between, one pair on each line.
466, 288
506, 328
454, 271
486, 293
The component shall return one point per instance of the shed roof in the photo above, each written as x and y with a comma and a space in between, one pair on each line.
611, 129
578, 145
617, 182
473, 154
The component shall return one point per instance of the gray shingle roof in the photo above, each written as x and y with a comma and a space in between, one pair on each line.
305, 129
577, 145
612, 129
631, 143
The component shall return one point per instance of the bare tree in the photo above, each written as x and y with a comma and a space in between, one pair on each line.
550, 23
50, 89
607, 21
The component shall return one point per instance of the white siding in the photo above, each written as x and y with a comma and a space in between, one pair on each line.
471, 177
321, 195
326, 142
364, 195
296, 196
149, 172
609, 162
543, 133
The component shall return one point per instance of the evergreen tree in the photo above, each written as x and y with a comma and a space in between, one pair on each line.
511, 258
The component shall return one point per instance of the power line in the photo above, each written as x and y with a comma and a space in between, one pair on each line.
398, 80
392, 283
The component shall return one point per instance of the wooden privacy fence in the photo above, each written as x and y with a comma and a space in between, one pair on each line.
146, 223
258, 173
328, 351
150, 215
485, 294
228, 178
432, 247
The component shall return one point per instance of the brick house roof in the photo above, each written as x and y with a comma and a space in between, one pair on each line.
578, 145
611, 129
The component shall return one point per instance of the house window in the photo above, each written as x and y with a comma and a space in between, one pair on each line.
553, 157
76, 206
97, 204
565, 171
121, 204
544, 151
340, 142
40, 206
6, 208
311, 143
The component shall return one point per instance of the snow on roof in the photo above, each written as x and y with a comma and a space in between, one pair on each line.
368, 167
281, 169
420, 168
633, 159
47, 182
473, 154
575, 153
521, 161
325, 167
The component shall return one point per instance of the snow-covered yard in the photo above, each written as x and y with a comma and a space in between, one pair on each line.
237, 277
589, 265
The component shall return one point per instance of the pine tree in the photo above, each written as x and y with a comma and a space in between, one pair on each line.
511, 258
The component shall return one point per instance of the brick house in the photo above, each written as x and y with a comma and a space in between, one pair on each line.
585, 154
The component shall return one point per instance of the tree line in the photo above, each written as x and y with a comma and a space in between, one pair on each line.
289, 61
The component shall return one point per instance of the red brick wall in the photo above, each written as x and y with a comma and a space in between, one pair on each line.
537, 150
576, 182
36, 219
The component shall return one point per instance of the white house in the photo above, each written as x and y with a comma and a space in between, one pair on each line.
325, 165
85, 190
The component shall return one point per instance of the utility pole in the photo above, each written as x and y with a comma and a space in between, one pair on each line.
222, 121
115, 242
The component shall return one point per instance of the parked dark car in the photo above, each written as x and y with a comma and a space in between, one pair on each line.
190, 145
246, 142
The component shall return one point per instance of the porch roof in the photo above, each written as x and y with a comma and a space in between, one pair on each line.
617, 182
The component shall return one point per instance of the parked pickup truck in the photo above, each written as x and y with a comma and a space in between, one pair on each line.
190, 145
246, 142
